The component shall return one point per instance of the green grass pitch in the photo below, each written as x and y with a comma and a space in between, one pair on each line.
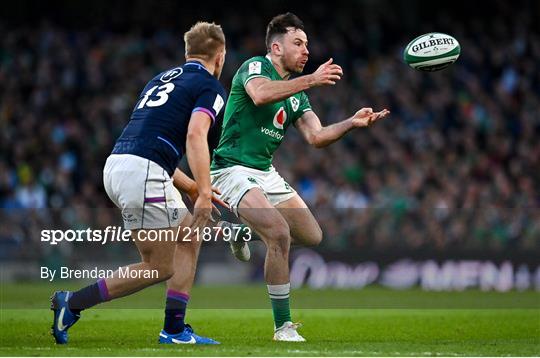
369, 322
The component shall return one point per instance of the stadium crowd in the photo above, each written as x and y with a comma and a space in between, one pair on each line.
457, 164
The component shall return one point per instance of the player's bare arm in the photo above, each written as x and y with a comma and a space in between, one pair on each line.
198, 156
318, 136
263, 91
184, 183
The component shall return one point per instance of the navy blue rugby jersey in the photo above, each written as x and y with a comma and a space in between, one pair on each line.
158, 126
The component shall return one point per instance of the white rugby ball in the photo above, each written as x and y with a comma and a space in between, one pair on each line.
432, 52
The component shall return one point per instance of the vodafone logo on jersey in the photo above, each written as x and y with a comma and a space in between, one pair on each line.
279, 118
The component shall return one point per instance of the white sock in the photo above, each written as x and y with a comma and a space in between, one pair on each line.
279, 291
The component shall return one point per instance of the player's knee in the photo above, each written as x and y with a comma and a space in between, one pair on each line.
279, 240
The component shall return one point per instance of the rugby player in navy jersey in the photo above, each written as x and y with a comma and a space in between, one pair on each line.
171, 118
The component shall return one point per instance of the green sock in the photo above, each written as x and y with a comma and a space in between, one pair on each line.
279, 296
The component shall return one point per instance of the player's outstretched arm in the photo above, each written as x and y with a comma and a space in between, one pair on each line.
264, 91
318, 136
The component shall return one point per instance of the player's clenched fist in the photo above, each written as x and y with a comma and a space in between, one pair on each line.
327, 74
366, 116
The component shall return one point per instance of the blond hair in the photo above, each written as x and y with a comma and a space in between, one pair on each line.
204, 40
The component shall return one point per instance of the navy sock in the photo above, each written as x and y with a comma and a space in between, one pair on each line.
175, 311
89, 296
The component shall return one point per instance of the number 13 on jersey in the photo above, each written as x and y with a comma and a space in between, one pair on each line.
162, 94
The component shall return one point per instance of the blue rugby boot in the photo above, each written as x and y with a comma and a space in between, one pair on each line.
187, 336
63, 317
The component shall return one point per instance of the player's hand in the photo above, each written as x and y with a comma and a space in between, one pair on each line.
202, 212
327, 74
193, 195
366, 116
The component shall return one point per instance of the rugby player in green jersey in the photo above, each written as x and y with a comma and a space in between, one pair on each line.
262, 104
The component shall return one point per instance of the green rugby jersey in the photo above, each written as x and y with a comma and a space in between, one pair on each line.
251, 134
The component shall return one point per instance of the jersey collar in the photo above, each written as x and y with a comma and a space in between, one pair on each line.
196, 63
274, 67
